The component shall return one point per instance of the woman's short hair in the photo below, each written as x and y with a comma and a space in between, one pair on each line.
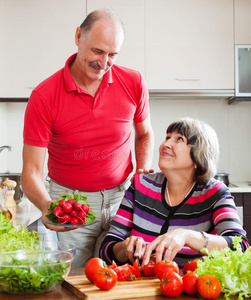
204, 146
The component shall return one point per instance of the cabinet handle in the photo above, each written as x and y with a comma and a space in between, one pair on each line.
188, 79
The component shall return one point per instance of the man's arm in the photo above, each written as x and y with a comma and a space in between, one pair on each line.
144, 142
32, 181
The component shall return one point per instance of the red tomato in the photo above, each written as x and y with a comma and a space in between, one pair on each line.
190, 266
105, 278
92, 267
190, 281
113, 265
171, 284
125, 272
165, 266
149, 269
209, 287
137, 268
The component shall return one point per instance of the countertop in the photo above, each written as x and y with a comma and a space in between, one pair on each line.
27, 213
241, 187
61, 293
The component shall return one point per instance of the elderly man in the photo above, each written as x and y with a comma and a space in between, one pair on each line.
83, 115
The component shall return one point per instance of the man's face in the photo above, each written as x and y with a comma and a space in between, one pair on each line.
98, 49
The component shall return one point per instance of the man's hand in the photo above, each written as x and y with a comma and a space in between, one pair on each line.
146, 171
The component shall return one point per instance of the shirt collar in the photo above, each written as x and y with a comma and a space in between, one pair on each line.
70, 84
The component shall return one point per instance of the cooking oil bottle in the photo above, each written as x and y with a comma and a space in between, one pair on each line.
10, 207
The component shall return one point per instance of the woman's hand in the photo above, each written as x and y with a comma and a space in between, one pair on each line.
167, 245
134, 247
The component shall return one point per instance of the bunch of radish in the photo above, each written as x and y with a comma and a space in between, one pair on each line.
71, 209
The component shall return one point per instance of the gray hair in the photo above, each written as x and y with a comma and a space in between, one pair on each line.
204, 146
97, 15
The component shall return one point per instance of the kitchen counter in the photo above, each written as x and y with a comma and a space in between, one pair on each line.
241, 187
27, 213
61, 293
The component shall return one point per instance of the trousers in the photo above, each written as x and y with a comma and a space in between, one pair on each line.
88, 238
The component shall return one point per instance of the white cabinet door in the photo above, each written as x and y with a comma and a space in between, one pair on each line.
132, 15
36, 38
242, 12
189, 44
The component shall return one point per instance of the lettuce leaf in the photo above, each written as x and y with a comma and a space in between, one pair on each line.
231, 267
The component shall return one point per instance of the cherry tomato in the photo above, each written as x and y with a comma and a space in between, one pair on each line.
149, 269
165, 266
190, 281
92, 267
105, 278
85, 208
190, 266
209, 287
67, 207
58, 211
171, 284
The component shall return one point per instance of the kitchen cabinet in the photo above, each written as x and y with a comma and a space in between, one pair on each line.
189, 44
132, 15
244, 200
36, 38
242, 21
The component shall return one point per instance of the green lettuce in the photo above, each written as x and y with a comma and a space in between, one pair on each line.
231, 267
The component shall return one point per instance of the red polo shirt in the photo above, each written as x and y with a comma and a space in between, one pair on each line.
88, 138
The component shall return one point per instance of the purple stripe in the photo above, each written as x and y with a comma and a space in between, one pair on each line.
129, 195
190, 222
148, 180
146, 216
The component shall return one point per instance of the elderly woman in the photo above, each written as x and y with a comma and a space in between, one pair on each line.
179, 211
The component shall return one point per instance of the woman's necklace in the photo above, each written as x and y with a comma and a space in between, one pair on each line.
168, 196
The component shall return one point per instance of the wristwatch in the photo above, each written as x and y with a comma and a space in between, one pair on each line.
205, 235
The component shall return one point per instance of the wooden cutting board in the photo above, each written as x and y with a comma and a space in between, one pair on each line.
84, 289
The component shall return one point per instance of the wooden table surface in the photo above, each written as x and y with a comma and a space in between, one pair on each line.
61, 293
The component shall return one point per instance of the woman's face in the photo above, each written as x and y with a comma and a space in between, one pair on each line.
174, 153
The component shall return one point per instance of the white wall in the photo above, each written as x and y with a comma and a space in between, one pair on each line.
231, 122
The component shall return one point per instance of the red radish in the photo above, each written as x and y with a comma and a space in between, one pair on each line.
71, 201
74, 221
82, 215
77, 206
58, 211
81, 222
85, 208
62, 202
64, 219
67, 207
73, 213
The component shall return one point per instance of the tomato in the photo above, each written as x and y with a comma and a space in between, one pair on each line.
190, 266
165, 266
149, 269
105, 278
92, 267
190, 281
113, 265
125, 272
209, 286
171, 284
137, 268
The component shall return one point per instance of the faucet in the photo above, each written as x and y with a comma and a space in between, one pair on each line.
6, 147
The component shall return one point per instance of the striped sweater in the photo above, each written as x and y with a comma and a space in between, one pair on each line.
144, 212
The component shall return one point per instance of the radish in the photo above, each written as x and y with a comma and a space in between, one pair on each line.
58, 211
77, 206
74, 221
71, 201
67, 207
85, 208
62, 202
64, 219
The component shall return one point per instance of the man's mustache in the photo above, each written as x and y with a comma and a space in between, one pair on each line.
96, 66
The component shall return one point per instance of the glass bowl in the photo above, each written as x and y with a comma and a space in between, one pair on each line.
33, 272
38, 245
